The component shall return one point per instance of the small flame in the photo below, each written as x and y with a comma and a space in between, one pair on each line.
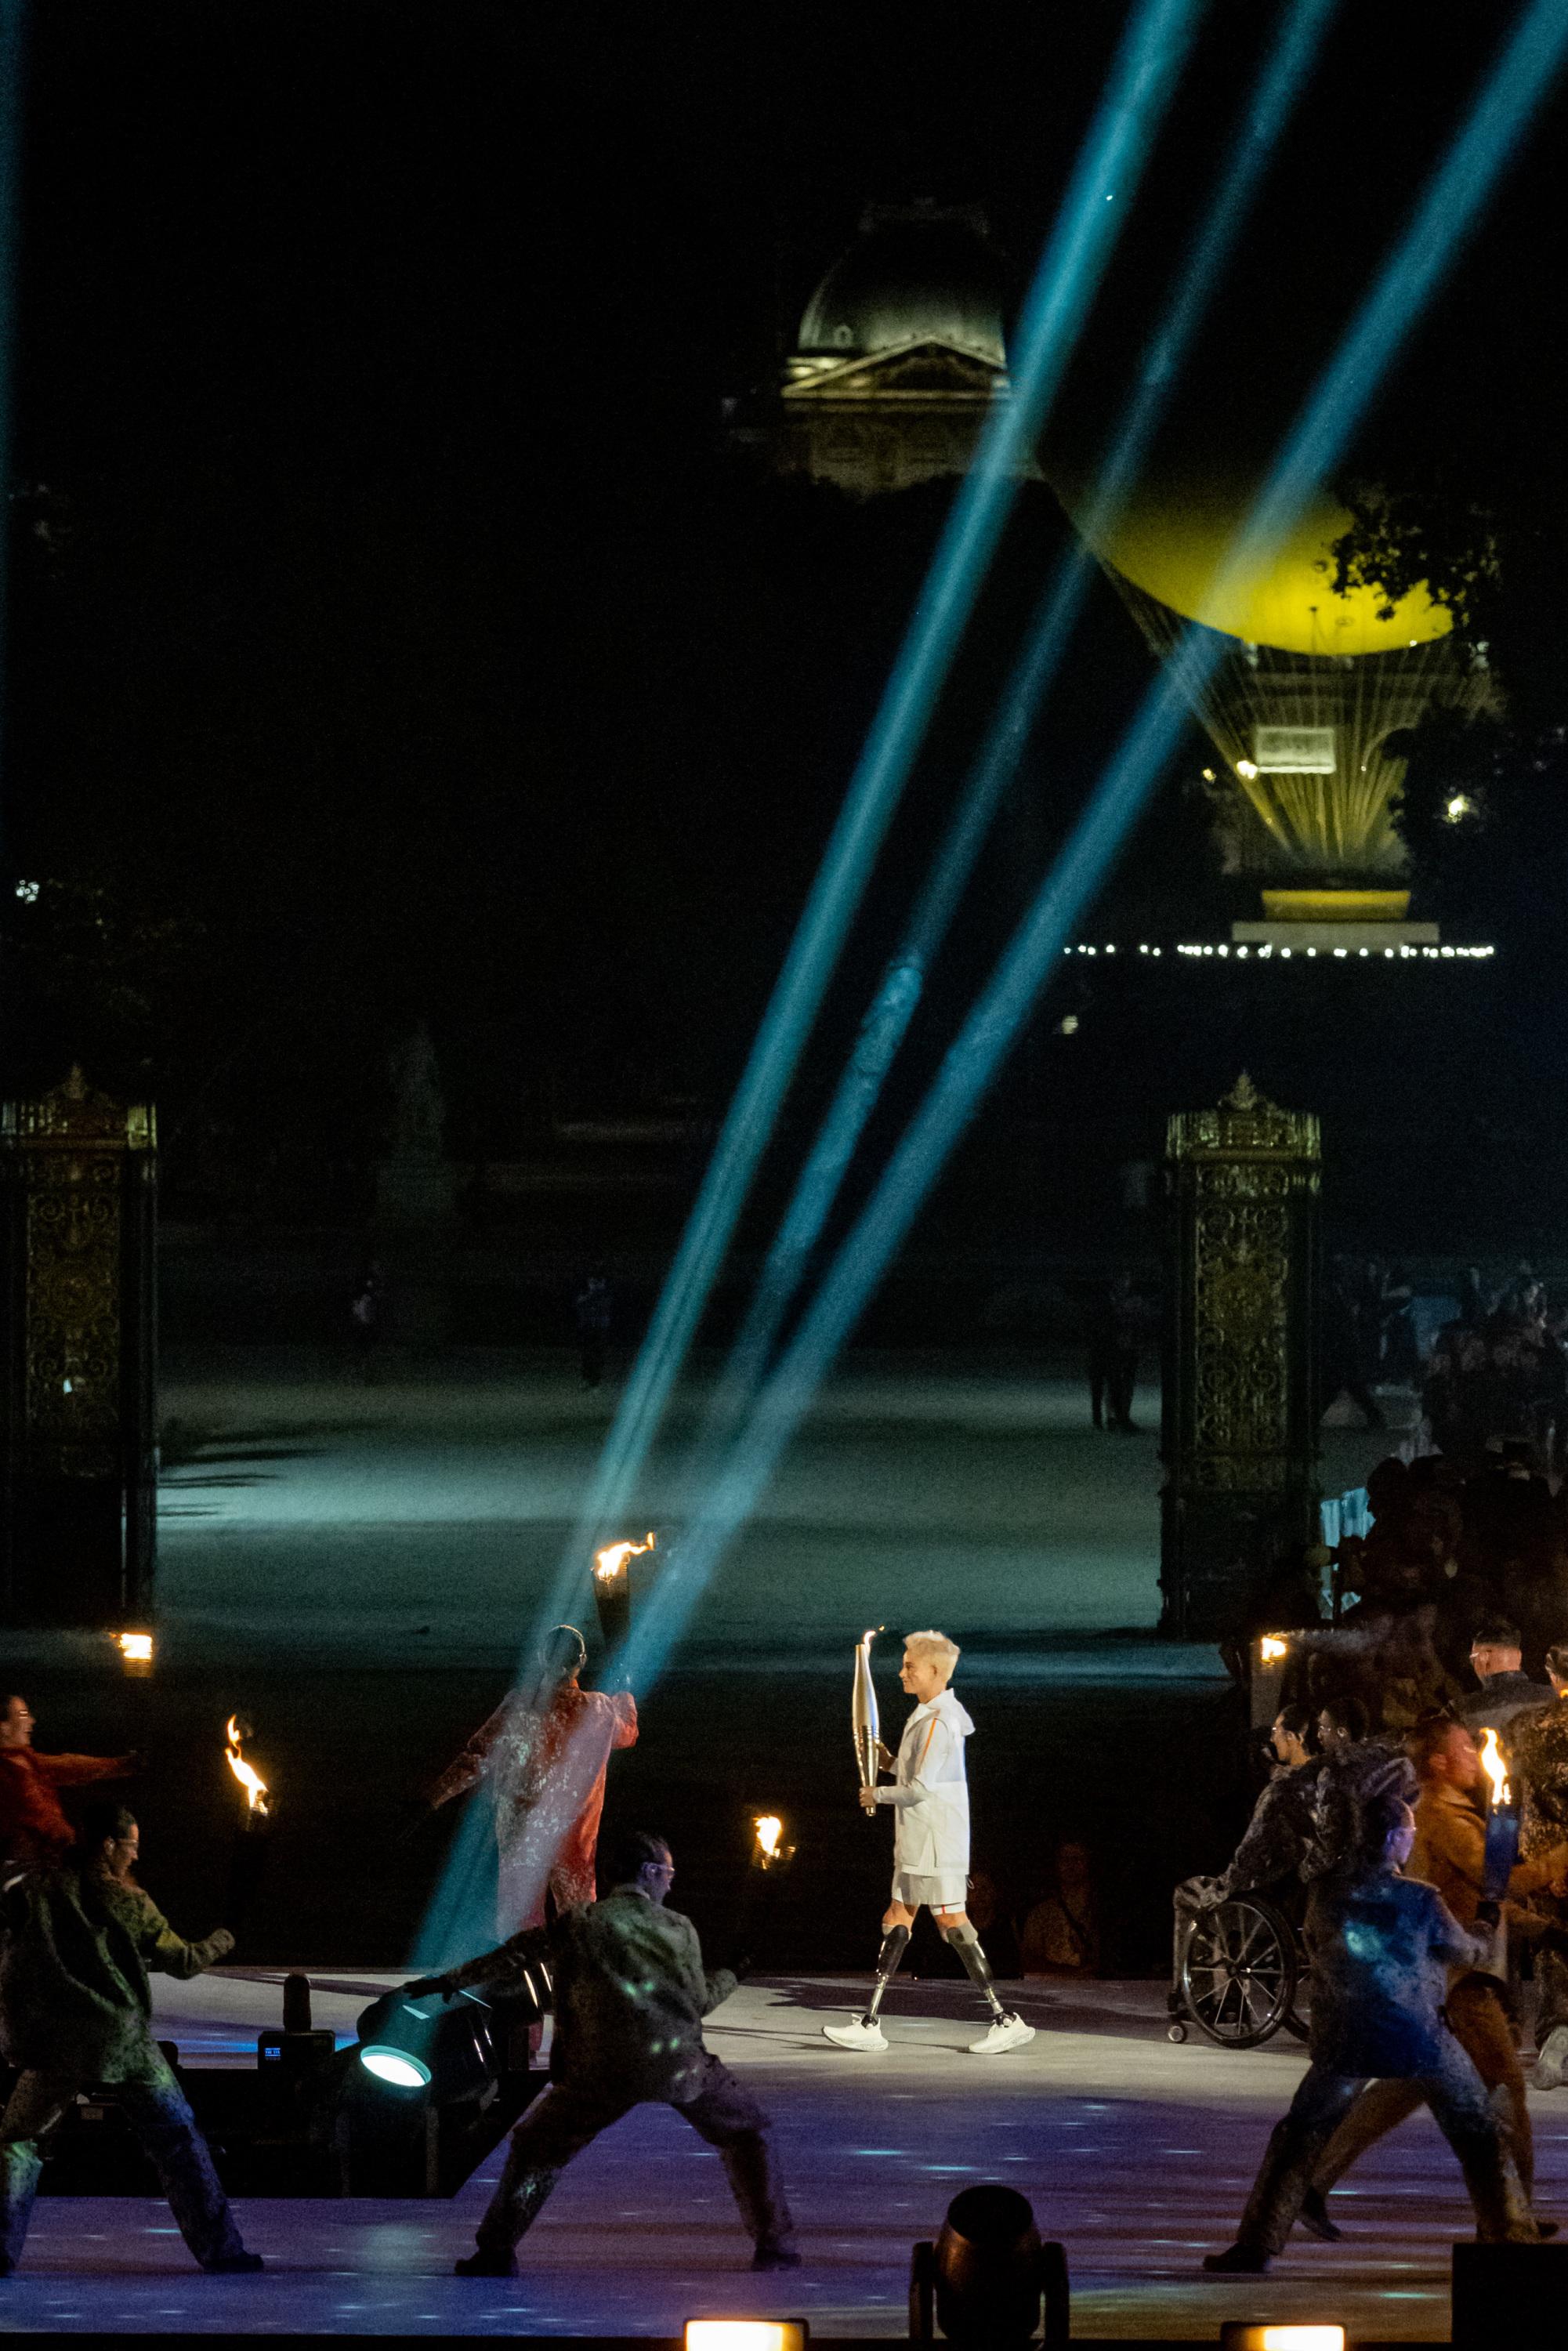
136, 1648
1495, 1768
769, 1829
1272, 1648
249, 1778
608, 1562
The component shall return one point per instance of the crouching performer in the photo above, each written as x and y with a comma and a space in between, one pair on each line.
76, 2010
1381, 1947
930, 1798
629, 1997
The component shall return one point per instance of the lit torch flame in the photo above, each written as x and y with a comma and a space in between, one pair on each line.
1496, 1769
608, 1562
1272, 1648
769, 1829
247, 1775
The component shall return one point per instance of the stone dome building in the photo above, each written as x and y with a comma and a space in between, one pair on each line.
899, 356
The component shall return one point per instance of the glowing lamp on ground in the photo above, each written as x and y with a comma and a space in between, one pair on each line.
1243, 2335
135, 1651
746, 2335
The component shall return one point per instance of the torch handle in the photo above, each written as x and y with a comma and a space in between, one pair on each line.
1501, 1851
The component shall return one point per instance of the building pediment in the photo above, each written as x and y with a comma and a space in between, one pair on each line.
926, 369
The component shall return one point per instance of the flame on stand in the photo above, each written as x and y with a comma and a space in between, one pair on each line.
1272, 1648
247, 1775
769, 1829
608, 1562
1496, 1769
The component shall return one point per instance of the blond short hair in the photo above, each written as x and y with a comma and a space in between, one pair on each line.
935, 1646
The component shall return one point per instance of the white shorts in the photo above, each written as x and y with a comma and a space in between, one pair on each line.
942, 1889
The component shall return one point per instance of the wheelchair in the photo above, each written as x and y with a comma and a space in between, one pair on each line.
1237, 1970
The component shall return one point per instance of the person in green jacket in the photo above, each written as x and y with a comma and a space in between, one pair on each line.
630, 1993
76, 2010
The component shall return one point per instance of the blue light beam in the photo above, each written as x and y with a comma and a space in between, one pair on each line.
1447, 213
887, 1023
1142, 82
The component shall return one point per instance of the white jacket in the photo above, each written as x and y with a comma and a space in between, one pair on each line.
930, 1793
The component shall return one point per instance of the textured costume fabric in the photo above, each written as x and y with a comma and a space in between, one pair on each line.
1480, 2024
1346, 1782
34, 1829
568, 2116
1382, 1946
930, 1801
630, 1993
1501, 1700
1463, 2112
1540, 1755
545, 1771
1277, 1837
156, 2108
75, 1995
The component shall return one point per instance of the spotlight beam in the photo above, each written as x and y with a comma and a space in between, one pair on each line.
1453, 199
887, 1021
1143, 79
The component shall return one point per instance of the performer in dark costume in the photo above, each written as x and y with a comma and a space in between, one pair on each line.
1381, 1947
76, 2008
630, 1994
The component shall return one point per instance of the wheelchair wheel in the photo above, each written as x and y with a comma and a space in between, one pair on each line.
1239, 1971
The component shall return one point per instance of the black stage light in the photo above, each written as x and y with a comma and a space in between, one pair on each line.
985, 2278
1505, 2296
446, 2046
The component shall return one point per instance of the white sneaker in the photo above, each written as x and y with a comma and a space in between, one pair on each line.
1009, 2033
857, 2034
1551, 2068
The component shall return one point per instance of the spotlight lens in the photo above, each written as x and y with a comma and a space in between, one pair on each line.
744, 2334
396, 2066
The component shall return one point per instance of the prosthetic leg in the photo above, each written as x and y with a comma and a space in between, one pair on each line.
1007, 2031
865, 2031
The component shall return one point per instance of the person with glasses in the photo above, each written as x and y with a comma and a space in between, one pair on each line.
630, 1993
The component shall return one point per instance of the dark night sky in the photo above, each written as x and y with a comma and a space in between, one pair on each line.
390, 604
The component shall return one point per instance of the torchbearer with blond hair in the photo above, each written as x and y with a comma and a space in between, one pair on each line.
930, 1802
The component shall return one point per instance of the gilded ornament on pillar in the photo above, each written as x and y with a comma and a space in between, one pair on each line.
1239, 1437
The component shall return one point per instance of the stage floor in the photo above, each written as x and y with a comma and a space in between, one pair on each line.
1137, 2154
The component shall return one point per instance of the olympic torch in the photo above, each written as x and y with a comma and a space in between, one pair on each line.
1502, 1822
864, 1722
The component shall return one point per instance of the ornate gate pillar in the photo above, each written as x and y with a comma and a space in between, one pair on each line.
77, 1359
1239, 1433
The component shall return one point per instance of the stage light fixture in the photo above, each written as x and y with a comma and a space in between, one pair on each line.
446, 2046
747, 2334
987, 2275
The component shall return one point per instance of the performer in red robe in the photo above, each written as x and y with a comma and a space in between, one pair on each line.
545, 1753
34, 1830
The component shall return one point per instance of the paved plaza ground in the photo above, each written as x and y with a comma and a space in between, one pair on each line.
1136, 2155
354, 1568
